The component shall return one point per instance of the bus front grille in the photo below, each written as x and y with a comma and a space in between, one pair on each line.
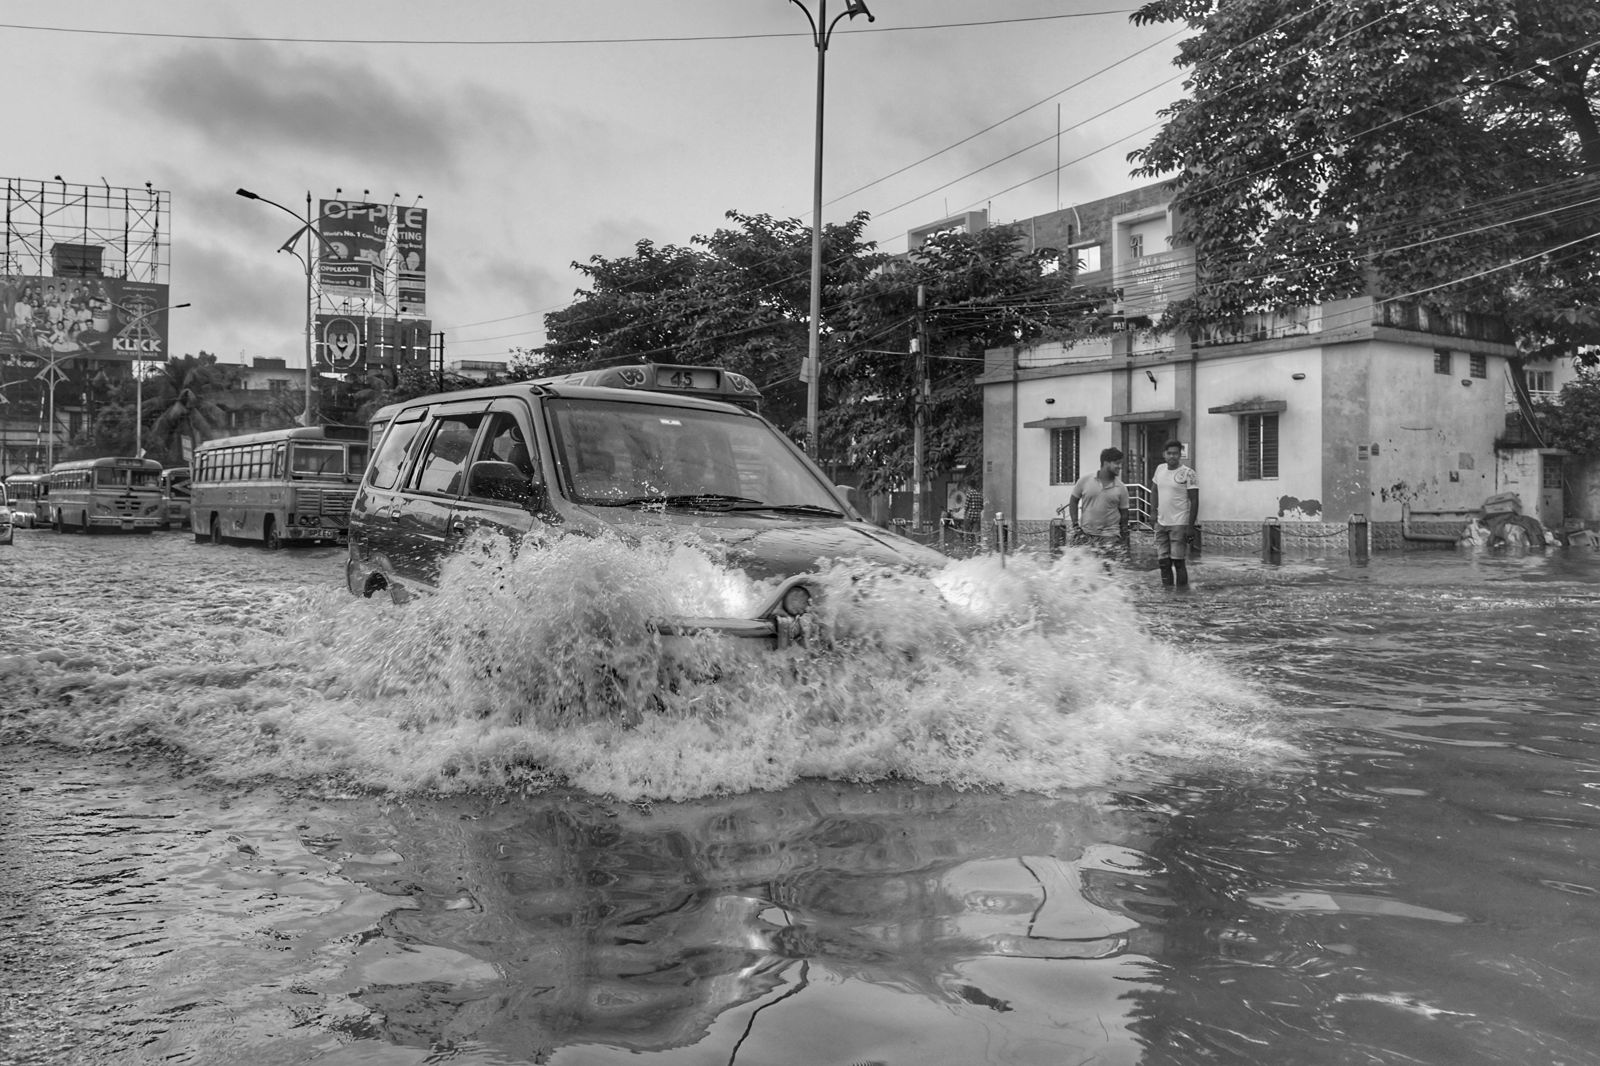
333, 505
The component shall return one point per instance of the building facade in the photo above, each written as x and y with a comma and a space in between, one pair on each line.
1359, 418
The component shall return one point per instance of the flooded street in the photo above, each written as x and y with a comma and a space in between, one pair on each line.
1030, 814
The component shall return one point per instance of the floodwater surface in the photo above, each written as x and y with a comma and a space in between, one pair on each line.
1029, 812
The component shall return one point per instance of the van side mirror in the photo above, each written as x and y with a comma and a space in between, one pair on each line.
494, 480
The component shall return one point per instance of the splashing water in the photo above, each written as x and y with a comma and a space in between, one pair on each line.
541, 667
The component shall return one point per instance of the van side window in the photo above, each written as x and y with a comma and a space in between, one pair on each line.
392, 456
505, 443
443, 463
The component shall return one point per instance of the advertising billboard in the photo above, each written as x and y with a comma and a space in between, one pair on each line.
53, 318
411, 260
341, 343
350, 258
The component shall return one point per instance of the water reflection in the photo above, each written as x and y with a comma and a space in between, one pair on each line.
638, 928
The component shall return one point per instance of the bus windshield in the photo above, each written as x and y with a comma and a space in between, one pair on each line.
118, 477
308, 459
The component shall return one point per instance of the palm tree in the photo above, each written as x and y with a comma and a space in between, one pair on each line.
183, 391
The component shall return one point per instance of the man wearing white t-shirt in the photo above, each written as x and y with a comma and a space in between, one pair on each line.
1177, 507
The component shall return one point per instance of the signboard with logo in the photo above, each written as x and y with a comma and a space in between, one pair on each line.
55, 318
350, 257
340, 343
411, 259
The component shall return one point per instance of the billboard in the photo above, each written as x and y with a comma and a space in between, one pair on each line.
411, 260
341, 343
51, 318
354, 234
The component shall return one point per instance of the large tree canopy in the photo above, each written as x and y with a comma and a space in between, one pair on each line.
979, 291
738, 298
1446, 150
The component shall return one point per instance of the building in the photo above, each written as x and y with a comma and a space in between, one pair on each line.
1328, 421
476, 369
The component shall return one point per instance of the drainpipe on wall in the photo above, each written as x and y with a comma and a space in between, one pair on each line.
1016, 432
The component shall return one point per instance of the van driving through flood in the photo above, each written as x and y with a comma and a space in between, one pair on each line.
550, 457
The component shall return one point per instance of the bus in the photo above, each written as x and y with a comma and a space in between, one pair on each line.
116, 493
27, 492
175, 497
278, 487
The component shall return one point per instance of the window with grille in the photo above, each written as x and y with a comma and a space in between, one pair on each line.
1441, 360
1478, 366
1539, 380
1063, 456
1258, 447
1551, 475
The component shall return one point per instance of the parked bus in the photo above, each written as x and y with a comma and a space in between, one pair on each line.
27, 492
117, 493
175, 497
277, 487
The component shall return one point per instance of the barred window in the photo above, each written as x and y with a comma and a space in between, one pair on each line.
1441, 360
1063, 456
1550, 476
1478, 365
1258, 447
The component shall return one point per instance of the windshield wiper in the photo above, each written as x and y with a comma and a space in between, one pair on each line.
790, 508
706, 501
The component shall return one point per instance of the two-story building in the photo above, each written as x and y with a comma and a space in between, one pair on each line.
1328, 421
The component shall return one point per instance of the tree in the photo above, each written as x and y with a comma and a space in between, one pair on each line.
1573, 422
981, 291
1442, 150
738, 298
182, 395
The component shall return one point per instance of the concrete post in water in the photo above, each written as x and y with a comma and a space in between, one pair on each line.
1271, 542
1357, 537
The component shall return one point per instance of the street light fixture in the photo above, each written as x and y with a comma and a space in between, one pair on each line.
811, 373
308, 227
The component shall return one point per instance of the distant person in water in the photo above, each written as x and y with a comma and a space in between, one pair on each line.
1177, 507
1099, 507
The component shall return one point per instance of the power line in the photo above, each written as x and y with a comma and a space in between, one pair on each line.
547, 41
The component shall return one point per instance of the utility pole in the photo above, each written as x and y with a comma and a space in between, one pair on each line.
919, 405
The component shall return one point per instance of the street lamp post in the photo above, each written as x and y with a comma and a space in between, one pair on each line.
308, 227
138, 374
821, 33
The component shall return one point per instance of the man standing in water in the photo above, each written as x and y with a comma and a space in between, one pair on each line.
1103, 524
1177, 507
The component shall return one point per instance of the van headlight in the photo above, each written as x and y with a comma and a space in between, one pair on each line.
796, 601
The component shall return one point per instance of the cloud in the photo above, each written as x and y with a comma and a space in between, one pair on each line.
262, 102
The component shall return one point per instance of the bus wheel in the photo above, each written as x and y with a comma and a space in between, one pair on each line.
269, 535
216, 531
55, 521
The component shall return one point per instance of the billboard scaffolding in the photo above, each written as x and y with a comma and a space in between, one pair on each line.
83, 283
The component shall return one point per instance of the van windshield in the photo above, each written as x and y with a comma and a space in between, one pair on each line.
615, 453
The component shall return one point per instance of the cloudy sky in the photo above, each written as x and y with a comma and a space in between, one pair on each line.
540, 132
